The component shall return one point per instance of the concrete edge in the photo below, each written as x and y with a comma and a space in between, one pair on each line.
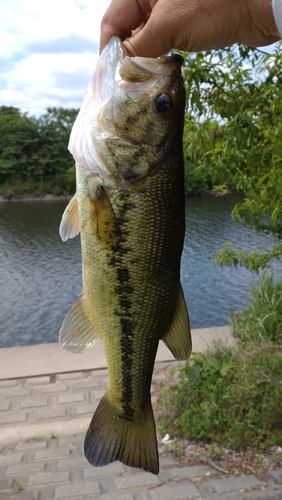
47, 359
46, 430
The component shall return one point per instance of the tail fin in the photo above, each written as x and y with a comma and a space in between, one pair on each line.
111, 437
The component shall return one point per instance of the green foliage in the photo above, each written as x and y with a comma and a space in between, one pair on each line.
233, 131
229, 398
232, 395
197, 180
262, 319
254, 260
35, 150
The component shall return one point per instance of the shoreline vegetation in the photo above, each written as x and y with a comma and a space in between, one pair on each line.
11, 196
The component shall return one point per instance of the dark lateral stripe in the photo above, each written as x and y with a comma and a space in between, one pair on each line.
125, 289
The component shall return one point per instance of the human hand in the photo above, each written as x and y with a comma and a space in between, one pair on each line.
192, 25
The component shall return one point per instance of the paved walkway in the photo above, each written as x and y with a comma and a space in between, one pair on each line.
43, 419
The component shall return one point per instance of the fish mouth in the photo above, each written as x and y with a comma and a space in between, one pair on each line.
137, 76
115, 67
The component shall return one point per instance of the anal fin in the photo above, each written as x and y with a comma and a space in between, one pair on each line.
178, 338
77, 333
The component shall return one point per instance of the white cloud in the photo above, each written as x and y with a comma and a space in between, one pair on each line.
48, 51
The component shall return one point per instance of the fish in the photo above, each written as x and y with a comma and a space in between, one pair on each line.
129, 210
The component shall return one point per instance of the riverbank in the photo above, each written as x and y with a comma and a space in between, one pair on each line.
37, 195
14, 196
45, 359
44, 417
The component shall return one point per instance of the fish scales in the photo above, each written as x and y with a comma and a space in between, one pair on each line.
131, 221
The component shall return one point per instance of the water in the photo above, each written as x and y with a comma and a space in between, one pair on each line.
40, 276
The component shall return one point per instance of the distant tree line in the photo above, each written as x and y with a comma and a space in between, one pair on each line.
33, 151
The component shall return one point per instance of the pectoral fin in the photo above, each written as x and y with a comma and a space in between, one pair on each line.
103, 224
178, 338
69, 227
77, 333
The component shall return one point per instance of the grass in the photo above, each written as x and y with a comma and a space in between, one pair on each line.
262, 319
232, 396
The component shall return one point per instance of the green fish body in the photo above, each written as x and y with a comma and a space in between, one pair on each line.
129, 210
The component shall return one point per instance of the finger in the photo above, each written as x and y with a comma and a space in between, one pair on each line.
149, 40
121, 18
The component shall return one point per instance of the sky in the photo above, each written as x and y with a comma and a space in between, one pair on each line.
48, 52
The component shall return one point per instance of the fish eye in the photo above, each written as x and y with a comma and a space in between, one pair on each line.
163, 102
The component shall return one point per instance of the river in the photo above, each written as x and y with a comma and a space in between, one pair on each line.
40, 276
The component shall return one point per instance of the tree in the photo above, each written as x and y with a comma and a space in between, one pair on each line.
35, 150
19, 145
55, 159
233, 130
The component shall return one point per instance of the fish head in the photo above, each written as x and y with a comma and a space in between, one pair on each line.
131, 117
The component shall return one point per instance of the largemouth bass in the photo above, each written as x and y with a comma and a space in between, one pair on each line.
129, 210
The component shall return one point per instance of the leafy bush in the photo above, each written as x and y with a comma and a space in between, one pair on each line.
229, 397
232, 395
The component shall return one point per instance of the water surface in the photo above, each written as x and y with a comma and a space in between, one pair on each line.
40, 276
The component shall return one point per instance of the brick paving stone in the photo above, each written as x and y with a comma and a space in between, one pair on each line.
31, 445
9, 383
11, 458
114, 469
120, 496
15, 392
33, 402
49, 413
182, 473
44, 389
97, 395
77, 490
71, 398
277, 475
5, 405
167, 462
174, 491
52, 453
86, 409
232, 484
22, 495
87, 383
71, 462
38, 380
70, 440
271, 496
6, 484
12, 417
31, 468
100, 373
70, 376
48, 478
137, 480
